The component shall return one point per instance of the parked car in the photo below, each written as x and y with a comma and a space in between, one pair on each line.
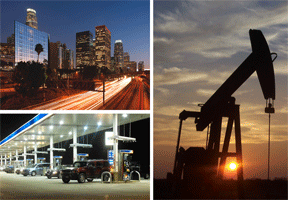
36, 169
56, 172
83, 170
9, 169
18, 170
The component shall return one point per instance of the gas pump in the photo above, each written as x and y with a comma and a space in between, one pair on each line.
41, 160
124, 158
29, 162
57, 160
82, 156
18, 166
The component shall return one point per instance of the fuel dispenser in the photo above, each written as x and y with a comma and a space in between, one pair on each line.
57, 160
19, 163
125, 157
82, 156
124, 161
29, 162
41, 160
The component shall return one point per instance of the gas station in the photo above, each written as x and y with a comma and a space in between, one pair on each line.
41, 134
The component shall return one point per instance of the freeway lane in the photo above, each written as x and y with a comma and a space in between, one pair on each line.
135, 96
90, 100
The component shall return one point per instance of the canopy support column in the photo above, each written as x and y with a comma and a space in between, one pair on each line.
25, 151
17, 155
115, 145
10, 156
74, 142
35, 155
51, 151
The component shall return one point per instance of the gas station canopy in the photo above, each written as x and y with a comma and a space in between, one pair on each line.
38, 130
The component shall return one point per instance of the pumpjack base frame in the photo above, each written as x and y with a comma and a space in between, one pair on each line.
231, 111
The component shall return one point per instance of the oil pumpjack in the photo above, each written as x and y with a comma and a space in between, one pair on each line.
200, 167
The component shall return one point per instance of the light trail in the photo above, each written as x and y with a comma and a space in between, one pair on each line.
135, 96
88, 100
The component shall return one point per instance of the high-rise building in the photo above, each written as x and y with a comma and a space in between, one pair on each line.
84, 48
31, 19
126, 61
11, 39
118, 54
132, 67
26, 39
113, 68
54, 56
7, 52
69, 59
141, 66
60, 56
102, 46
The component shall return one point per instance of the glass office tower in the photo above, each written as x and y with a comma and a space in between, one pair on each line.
26, 39
31, 19
84, 48
118, 54
103, 46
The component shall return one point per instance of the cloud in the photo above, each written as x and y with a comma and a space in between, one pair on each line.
205, 92
173, 76
217, 29
163, 40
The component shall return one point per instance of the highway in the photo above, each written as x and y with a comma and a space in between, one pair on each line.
125, 94
135, 96
90, 100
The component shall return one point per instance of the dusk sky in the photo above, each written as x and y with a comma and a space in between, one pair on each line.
128, 21
197, 46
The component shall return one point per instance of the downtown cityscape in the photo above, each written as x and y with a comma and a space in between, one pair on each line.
115, 73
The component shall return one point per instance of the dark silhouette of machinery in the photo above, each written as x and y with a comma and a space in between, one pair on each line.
200, 167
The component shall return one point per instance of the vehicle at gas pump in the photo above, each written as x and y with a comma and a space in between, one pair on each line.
85, 170
56, 172
18, 170
9, 169
36, 169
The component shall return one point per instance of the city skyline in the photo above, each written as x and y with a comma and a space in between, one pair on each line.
130, 22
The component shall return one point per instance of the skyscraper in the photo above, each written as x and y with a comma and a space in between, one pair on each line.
118, 54
7, 52
54, 54
141, 66
11, 39
102, 46
126, 61
132, 66
60, 56
84, 47
26, 39
31, 19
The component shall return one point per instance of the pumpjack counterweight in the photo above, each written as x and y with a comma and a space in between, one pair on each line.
200, 166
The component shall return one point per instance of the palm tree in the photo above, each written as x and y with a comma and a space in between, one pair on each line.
39, 49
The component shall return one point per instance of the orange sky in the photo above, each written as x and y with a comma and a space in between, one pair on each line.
197, 46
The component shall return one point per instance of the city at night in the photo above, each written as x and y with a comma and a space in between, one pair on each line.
77, 55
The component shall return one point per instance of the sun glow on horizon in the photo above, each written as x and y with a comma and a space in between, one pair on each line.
232, 166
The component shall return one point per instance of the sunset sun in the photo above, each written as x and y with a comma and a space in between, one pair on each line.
232, 166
